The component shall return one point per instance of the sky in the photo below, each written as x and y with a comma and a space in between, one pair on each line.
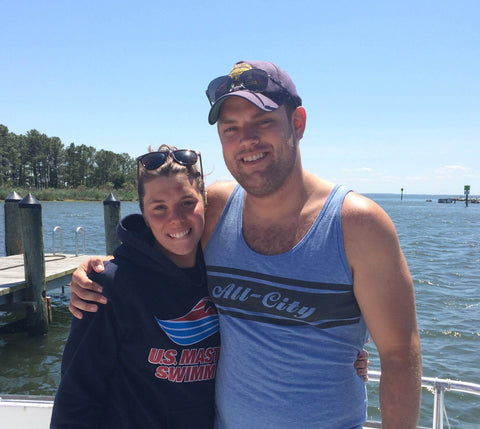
391, 88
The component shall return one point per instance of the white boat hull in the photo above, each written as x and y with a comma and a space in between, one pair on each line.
20, 412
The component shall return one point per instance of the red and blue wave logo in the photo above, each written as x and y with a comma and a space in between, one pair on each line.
199, 323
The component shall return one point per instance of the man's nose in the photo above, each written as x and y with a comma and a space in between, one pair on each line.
249, 134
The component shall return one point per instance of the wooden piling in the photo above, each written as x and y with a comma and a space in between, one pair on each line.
34, 262
111, 213
13, 226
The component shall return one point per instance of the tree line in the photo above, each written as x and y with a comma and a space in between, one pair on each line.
36, 161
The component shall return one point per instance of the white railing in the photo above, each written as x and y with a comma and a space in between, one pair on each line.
23, 407
57, 228
438, 386
77, 231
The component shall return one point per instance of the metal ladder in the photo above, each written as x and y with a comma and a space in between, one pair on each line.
77, 232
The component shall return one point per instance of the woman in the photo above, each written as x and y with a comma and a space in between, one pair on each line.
147, 359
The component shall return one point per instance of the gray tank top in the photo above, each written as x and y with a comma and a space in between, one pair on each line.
290, 327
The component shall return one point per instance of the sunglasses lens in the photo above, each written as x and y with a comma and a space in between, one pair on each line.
185, 157
254, 80
154, 160
218, 87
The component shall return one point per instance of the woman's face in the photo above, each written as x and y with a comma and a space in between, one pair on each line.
174, 210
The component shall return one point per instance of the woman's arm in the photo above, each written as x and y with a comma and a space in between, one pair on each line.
88, 361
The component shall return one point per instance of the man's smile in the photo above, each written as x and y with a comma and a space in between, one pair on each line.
254, 157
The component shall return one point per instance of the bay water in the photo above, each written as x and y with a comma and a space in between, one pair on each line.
441, 243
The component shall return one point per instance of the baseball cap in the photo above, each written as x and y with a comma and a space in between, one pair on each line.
262, 83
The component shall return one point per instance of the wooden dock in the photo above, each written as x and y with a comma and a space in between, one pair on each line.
27, 274
58, 272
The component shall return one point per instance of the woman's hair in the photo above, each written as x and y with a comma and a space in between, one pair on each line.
167, 169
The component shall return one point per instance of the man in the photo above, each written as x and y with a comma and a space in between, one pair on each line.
299, 269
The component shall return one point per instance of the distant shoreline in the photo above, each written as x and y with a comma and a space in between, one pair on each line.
99, 194
72, 195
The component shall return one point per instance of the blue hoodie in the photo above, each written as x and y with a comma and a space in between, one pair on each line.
146, 359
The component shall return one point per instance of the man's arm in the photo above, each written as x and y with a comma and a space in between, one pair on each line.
384, 291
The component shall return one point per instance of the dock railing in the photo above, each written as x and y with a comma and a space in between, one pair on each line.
24, 235
437, 386
23, 407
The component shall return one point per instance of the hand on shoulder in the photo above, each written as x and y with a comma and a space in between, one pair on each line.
82, 289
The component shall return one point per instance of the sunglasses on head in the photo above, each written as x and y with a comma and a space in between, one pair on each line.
255, 80
153, 160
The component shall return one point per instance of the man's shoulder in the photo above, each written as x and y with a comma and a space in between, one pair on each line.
357, 207
369, 235
220, 190
217, 197
364, 221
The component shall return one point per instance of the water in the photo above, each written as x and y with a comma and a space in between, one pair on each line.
69, 216
441, 243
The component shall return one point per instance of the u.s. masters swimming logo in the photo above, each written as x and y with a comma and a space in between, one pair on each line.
199, 323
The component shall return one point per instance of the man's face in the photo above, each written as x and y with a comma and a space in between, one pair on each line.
259, 148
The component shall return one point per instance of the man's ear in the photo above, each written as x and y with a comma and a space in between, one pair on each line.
299, 121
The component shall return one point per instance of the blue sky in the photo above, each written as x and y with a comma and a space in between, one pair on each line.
391, 89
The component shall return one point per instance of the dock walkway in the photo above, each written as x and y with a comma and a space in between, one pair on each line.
58, 272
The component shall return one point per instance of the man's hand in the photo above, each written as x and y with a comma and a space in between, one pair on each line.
361, 364
82, 289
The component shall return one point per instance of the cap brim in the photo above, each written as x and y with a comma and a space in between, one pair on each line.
261, 101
